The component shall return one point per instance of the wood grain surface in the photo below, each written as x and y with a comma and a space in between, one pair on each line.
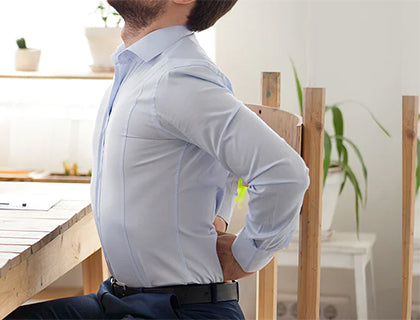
410, 110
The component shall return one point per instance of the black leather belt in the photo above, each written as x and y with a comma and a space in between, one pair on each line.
186, 294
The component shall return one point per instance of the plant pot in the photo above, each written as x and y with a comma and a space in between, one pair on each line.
27, 59
102, 43
333, 182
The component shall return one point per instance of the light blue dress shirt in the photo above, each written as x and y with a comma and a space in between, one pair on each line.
170, 141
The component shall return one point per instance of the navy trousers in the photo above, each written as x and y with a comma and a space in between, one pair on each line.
105, 305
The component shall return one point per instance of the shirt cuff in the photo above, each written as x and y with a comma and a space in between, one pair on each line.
249, 257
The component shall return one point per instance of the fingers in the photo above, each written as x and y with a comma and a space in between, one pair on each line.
220, 224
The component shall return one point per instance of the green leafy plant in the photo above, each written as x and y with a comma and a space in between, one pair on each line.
107, 11
21, 43
342, 146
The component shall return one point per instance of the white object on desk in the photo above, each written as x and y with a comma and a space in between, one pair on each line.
10, 201
343, 250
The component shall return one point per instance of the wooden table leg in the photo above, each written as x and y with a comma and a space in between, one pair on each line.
95, 271
267, 291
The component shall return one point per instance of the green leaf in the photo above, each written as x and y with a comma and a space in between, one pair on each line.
344, 163
418, 167
370, 113
241, 193
338, 128
357, 193
345, 160
327, 154
298, 87
359, 155
343, 184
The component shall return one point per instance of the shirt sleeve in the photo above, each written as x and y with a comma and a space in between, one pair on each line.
227, 202
193, 103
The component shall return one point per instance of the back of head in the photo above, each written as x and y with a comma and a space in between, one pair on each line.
205, 13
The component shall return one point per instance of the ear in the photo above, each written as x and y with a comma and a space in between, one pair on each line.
183, 1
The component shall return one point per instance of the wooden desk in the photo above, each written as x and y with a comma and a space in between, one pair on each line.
38, 247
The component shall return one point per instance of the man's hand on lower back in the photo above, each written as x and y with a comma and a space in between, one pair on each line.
220, 224
231, 268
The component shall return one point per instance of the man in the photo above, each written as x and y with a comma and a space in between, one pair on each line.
169, 143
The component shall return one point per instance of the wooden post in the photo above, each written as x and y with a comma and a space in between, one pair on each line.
271, 89
267, 277
410, 110
94, 272
310, 217
267, 292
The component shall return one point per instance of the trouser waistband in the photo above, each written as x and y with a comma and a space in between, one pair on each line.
186, 294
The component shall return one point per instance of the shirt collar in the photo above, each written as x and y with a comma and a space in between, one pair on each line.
152, 44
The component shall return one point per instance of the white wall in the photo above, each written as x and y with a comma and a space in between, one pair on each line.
364, 50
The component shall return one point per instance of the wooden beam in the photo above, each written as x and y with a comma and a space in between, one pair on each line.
410, 110
310, 217
95, 272
267, 277
52, 293
271, 89
267, 296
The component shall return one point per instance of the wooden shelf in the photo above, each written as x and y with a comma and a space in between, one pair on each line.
42, 176
88, 75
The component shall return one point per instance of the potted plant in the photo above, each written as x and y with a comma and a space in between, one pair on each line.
103, 41
337, 171
26, 59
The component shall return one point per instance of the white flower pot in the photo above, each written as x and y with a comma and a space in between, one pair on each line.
27, 59
333, 182
102, 43
330, 195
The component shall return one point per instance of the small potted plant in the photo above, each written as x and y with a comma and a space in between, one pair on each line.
103, 41
26, 59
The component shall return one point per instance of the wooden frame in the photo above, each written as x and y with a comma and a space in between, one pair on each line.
307, 138
410, 111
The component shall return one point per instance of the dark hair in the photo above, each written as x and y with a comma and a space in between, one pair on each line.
205, 13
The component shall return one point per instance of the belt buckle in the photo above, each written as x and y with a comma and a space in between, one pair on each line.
120, 289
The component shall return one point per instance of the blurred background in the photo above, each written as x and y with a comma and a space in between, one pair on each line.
365, 52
